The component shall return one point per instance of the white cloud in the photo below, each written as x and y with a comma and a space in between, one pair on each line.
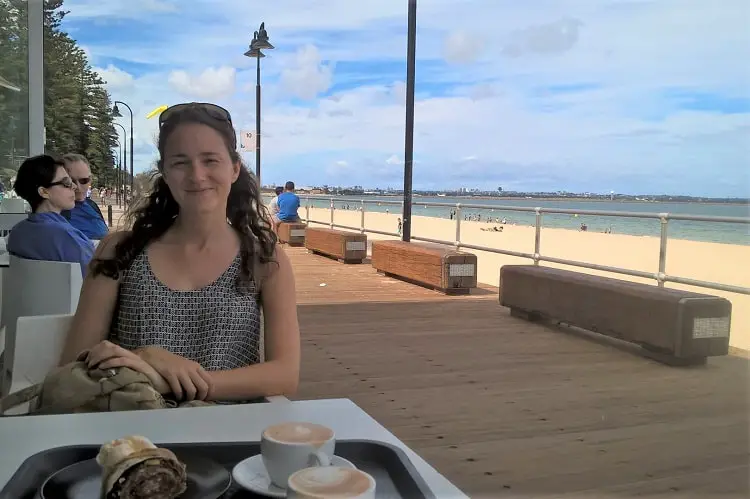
114, 77
394, 160
308, 76
482, 91
462, 47
544, 39
211, 83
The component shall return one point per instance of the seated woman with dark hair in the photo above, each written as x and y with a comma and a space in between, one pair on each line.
179, 296
46, 235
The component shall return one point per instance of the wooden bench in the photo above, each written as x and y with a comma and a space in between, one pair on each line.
430, 265
346, 247
672, 326
292, 233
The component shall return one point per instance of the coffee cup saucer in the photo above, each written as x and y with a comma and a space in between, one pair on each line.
251, 474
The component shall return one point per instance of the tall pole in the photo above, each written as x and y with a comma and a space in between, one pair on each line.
131, 153
118, 174
257, 122
124, 150
36, 34
260, 42
125, 167
411, 65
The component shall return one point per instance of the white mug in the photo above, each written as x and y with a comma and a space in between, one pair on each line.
283, 458
330, 481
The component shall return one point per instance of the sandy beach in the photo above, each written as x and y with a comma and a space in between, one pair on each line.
724, 263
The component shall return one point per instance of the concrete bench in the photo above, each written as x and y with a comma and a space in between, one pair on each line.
672, 326
292, 233
346, 247
429, 265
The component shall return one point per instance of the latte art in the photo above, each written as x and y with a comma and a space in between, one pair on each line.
298, 433
330, 481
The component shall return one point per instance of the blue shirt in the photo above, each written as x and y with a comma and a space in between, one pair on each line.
288, 206
48, 236
86, 218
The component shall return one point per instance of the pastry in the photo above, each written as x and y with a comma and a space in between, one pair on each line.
134, 468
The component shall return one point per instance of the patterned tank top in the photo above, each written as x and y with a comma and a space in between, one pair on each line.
217, 326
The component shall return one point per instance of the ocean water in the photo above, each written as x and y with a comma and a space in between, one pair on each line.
728, 233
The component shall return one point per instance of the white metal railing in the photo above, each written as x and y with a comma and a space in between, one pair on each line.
660, 275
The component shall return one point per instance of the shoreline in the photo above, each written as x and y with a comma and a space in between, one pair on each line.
514, 198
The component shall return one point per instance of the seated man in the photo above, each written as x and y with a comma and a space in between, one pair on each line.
85, 215
288, 203
273, 206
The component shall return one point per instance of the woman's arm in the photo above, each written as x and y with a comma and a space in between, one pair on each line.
96, 306
279, 374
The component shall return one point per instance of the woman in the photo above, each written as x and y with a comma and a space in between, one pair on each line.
179, 296
46, 235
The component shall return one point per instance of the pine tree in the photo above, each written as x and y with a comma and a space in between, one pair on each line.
78, 113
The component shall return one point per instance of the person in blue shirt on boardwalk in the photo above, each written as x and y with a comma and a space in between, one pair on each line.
85, 215
288, 203
46, 235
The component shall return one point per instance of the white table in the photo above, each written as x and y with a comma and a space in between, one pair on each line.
31, 434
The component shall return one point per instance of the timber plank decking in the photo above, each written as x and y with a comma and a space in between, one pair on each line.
507, 408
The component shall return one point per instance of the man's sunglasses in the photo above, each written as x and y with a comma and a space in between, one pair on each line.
214, 111
82, 180
66, 182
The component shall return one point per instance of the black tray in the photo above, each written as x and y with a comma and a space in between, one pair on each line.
394, 474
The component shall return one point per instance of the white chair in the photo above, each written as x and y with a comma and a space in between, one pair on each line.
8, 221
13, 205
38, 288
39, 343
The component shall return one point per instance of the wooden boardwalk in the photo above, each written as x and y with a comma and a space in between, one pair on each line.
506, 408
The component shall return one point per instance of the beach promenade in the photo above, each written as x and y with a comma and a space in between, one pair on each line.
507, 408
723, 263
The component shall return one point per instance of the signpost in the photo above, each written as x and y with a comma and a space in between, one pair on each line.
248, 141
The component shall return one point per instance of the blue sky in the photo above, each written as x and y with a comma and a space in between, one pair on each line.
636, 96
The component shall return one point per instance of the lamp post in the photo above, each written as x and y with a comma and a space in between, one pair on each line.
411, 64
118, 174
123, 153
116, 112
260, 42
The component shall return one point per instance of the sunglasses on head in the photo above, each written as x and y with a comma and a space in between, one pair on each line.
214, 111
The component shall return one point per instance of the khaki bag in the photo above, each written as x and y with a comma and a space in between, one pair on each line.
74, 388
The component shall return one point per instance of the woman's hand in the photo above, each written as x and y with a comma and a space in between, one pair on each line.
187, 379
107, 355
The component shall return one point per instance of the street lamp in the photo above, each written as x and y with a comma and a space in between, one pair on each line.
411, 63
118, 174
116, 112
260, 42
123, 153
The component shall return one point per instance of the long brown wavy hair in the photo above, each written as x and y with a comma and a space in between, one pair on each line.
150, 218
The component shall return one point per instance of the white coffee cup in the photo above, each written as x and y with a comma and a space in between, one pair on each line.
290, 447
330, 481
